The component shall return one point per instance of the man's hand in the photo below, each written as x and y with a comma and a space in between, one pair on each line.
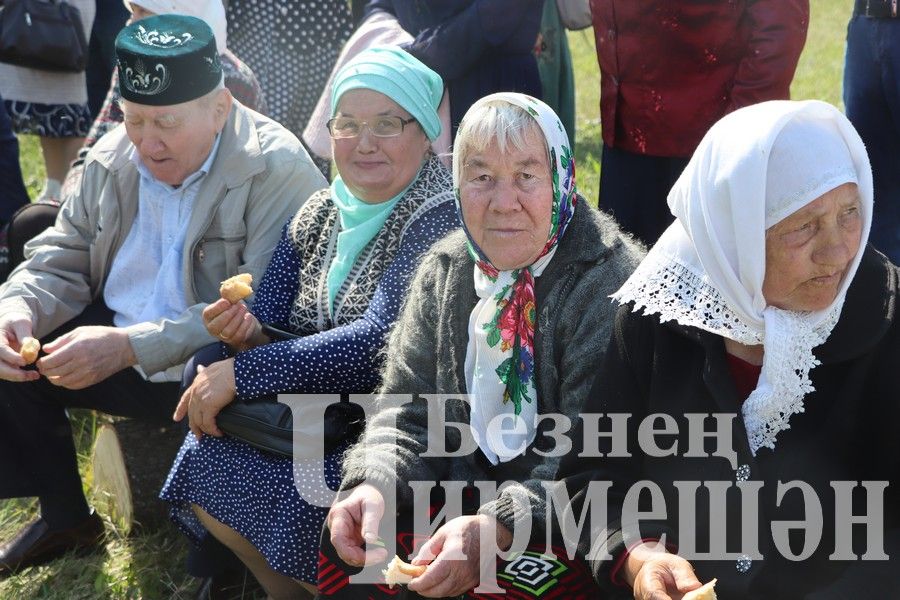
233, 324
14, 328
654, 574
212, 390
354, 521
85, 356
449, 574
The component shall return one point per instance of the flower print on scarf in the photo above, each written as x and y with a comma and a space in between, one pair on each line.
513, 329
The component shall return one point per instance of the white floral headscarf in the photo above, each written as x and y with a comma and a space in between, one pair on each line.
500, 369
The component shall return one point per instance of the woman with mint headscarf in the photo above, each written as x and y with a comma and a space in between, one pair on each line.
336, 281
513, 312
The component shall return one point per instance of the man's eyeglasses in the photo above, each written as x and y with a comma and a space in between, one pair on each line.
385, 127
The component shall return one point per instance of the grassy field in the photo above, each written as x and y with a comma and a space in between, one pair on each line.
150, 565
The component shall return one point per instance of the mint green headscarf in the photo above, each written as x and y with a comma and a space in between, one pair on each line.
408, 82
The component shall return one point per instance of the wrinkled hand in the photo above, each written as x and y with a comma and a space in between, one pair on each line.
14, 327
85, 356
654, 574
233, 324
212, 389
354, 521
449, 574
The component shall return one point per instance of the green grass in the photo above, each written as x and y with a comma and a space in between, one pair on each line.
151, 565
32, 164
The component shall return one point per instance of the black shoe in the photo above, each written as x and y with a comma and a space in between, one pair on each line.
233, 584
36, 543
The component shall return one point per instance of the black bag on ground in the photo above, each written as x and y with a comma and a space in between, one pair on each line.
269, 425
42, 34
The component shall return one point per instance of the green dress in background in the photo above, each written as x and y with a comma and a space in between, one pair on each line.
555, 66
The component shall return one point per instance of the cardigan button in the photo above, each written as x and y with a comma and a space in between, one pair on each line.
744, 563
742, 473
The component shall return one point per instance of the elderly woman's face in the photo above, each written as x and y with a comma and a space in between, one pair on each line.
376, 168
807, 253
507, 199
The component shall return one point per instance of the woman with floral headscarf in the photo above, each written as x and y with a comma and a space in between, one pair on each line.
513, 312
762, 305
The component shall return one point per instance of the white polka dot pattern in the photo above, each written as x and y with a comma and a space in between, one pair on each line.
291, 47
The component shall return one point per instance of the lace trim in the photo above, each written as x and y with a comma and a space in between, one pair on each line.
678, 293
785, 383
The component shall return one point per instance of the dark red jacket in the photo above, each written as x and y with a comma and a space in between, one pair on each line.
671, 68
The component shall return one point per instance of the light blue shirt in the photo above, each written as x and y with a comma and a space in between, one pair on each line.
146, 280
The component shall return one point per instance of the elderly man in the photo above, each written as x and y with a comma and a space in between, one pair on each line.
193, 189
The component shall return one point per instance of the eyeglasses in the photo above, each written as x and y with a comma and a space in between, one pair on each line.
384, 127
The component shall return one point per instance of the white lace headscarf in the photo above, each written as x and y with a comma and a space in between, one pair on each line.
753, 168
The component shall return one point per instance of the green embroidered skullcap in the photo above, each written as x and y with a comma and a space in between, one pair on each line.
167, 59
398, 75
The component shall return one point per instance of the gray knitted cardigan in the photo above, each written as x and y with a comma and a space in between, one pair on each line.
426, 354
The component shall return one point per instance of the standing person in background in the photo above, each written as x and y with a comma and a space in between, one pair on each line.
14, 192
292, 47
554, 61
669, 70
51, 105
110, 18
477, 46
872, 101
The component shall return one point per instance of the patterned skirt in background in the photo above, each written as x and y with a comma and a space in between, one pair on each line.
49, 120
291, 47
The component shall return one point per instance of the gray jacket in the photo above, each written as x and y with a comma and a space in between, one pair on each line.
426, 355
259, 178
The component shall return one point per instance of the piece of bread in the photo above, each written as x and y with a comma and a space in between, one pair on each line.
235, 289
29, 350
401, 573
702, 593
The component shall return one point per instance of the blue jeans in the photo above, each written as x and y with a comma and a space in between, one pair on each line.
12, 189
872, 100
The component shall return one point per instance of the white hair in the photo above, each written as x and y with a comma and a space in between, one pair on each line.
495, 121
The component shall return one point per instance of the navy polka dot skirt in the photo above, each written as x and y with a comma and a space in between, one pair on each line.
253, 492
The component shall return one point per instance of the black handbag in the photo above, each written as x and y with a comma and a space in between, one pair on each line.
269, 425
42, 34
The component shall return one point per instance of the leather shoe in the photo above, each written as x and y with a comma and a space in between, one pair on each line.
232, 584
36, 543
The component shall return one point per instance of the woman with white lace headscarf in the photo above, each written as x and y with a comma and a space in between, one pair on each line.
761, 305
